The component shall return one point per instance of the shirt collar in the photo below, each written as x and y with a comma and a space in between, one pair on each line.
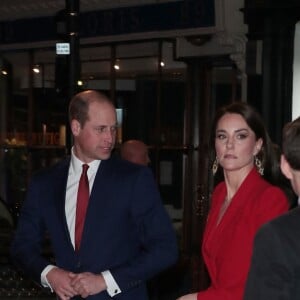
76, 164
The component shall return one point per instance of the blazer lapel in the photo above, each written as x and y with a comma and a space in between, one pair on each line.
234, 211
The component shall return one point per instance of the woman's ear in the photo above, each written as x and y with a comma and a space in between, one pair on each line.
285, 167
258, 146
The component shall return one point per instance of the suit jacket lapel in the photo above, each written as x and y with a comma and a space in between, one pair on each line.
99, 194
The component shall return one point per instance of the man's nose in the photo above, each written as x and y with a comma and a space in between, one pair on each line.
109, 135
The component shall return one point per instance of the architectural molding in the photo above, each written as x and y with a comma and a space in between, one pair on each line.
20, 9
221, 43
237, 42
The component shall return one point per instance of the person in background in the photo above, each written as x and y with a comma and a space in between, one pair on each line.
275, 265
127, 236
240, 203
135, 151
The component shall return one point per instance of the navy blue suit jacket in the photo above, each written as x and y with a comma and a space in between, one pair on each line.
127, 230
275, 268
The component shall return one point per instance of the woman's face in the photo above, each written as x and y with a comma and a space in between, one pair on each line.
235, 143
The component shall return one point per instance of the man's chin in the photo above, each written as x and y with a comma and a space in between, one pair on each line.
104, 156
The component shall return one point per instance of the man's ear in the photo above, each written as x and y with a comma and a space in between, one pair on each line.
75, 127
285, 167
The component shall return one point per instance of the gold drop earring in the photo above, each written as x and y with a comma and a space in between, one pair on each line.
215, 166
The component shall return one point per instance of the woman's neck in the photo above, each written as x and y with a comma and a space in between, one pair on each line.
234, 179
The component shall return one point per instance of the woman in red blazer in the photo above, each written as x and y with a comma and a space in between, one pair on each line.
241, 203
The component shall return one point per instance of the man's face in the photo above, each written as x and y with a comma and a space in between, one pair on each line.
97, 138
295, 181
291, 174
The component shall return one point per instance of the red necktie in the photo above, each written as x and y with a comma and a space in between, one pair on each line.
82, 203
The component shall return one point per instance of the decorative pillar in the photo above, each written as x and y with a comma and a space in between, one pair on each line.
73, 59
72, 18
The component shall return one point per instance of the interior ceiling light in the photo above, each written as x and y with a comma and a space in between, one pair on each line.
36, 69
4, 72
162, 64
117, 67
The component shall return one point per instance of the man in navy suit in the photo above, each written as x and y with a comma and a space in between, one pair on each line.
127, 235
275, 267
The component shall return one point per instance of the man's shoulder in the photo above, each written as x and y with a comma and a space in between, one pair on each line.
280, 236
123, 165
291, 216
56, 169
285, 223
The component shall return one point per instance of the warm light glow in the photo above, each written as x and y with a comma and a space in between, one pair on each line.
4, 72
80, 82
36, 69
162, 64
117, 67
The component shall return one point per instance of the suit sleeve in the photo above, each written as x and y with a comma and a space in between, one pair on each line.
270, 276
26, 247
157, 239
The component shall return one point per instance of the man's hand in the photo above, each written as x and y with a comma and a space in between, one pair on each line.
86, 284
60, 282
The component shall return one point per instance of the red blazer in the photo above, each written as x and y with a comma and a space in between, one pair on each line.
227, 248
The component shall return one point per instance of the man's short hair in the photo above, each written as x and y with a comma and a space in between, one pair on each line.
291, 143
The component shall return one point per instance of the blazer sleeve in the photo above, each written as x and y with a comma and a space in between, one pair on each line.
270, 276
157, 239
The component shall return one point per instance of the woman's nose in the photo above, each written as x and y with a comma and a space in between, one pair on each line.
230, 143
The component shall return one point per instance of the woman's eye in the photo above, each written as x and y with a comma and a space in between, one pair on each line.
241, 136
221, 136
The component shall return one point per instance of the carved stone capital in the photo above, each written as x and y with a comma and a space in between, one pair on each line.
237, 42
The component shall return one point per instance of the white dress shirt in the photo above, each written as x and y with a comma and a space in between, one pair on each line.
75, 171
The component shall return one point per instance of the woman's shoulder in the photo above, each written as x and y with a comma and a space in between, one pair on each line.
266, 187
261, 188
270, 199
258, 184
260, 193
